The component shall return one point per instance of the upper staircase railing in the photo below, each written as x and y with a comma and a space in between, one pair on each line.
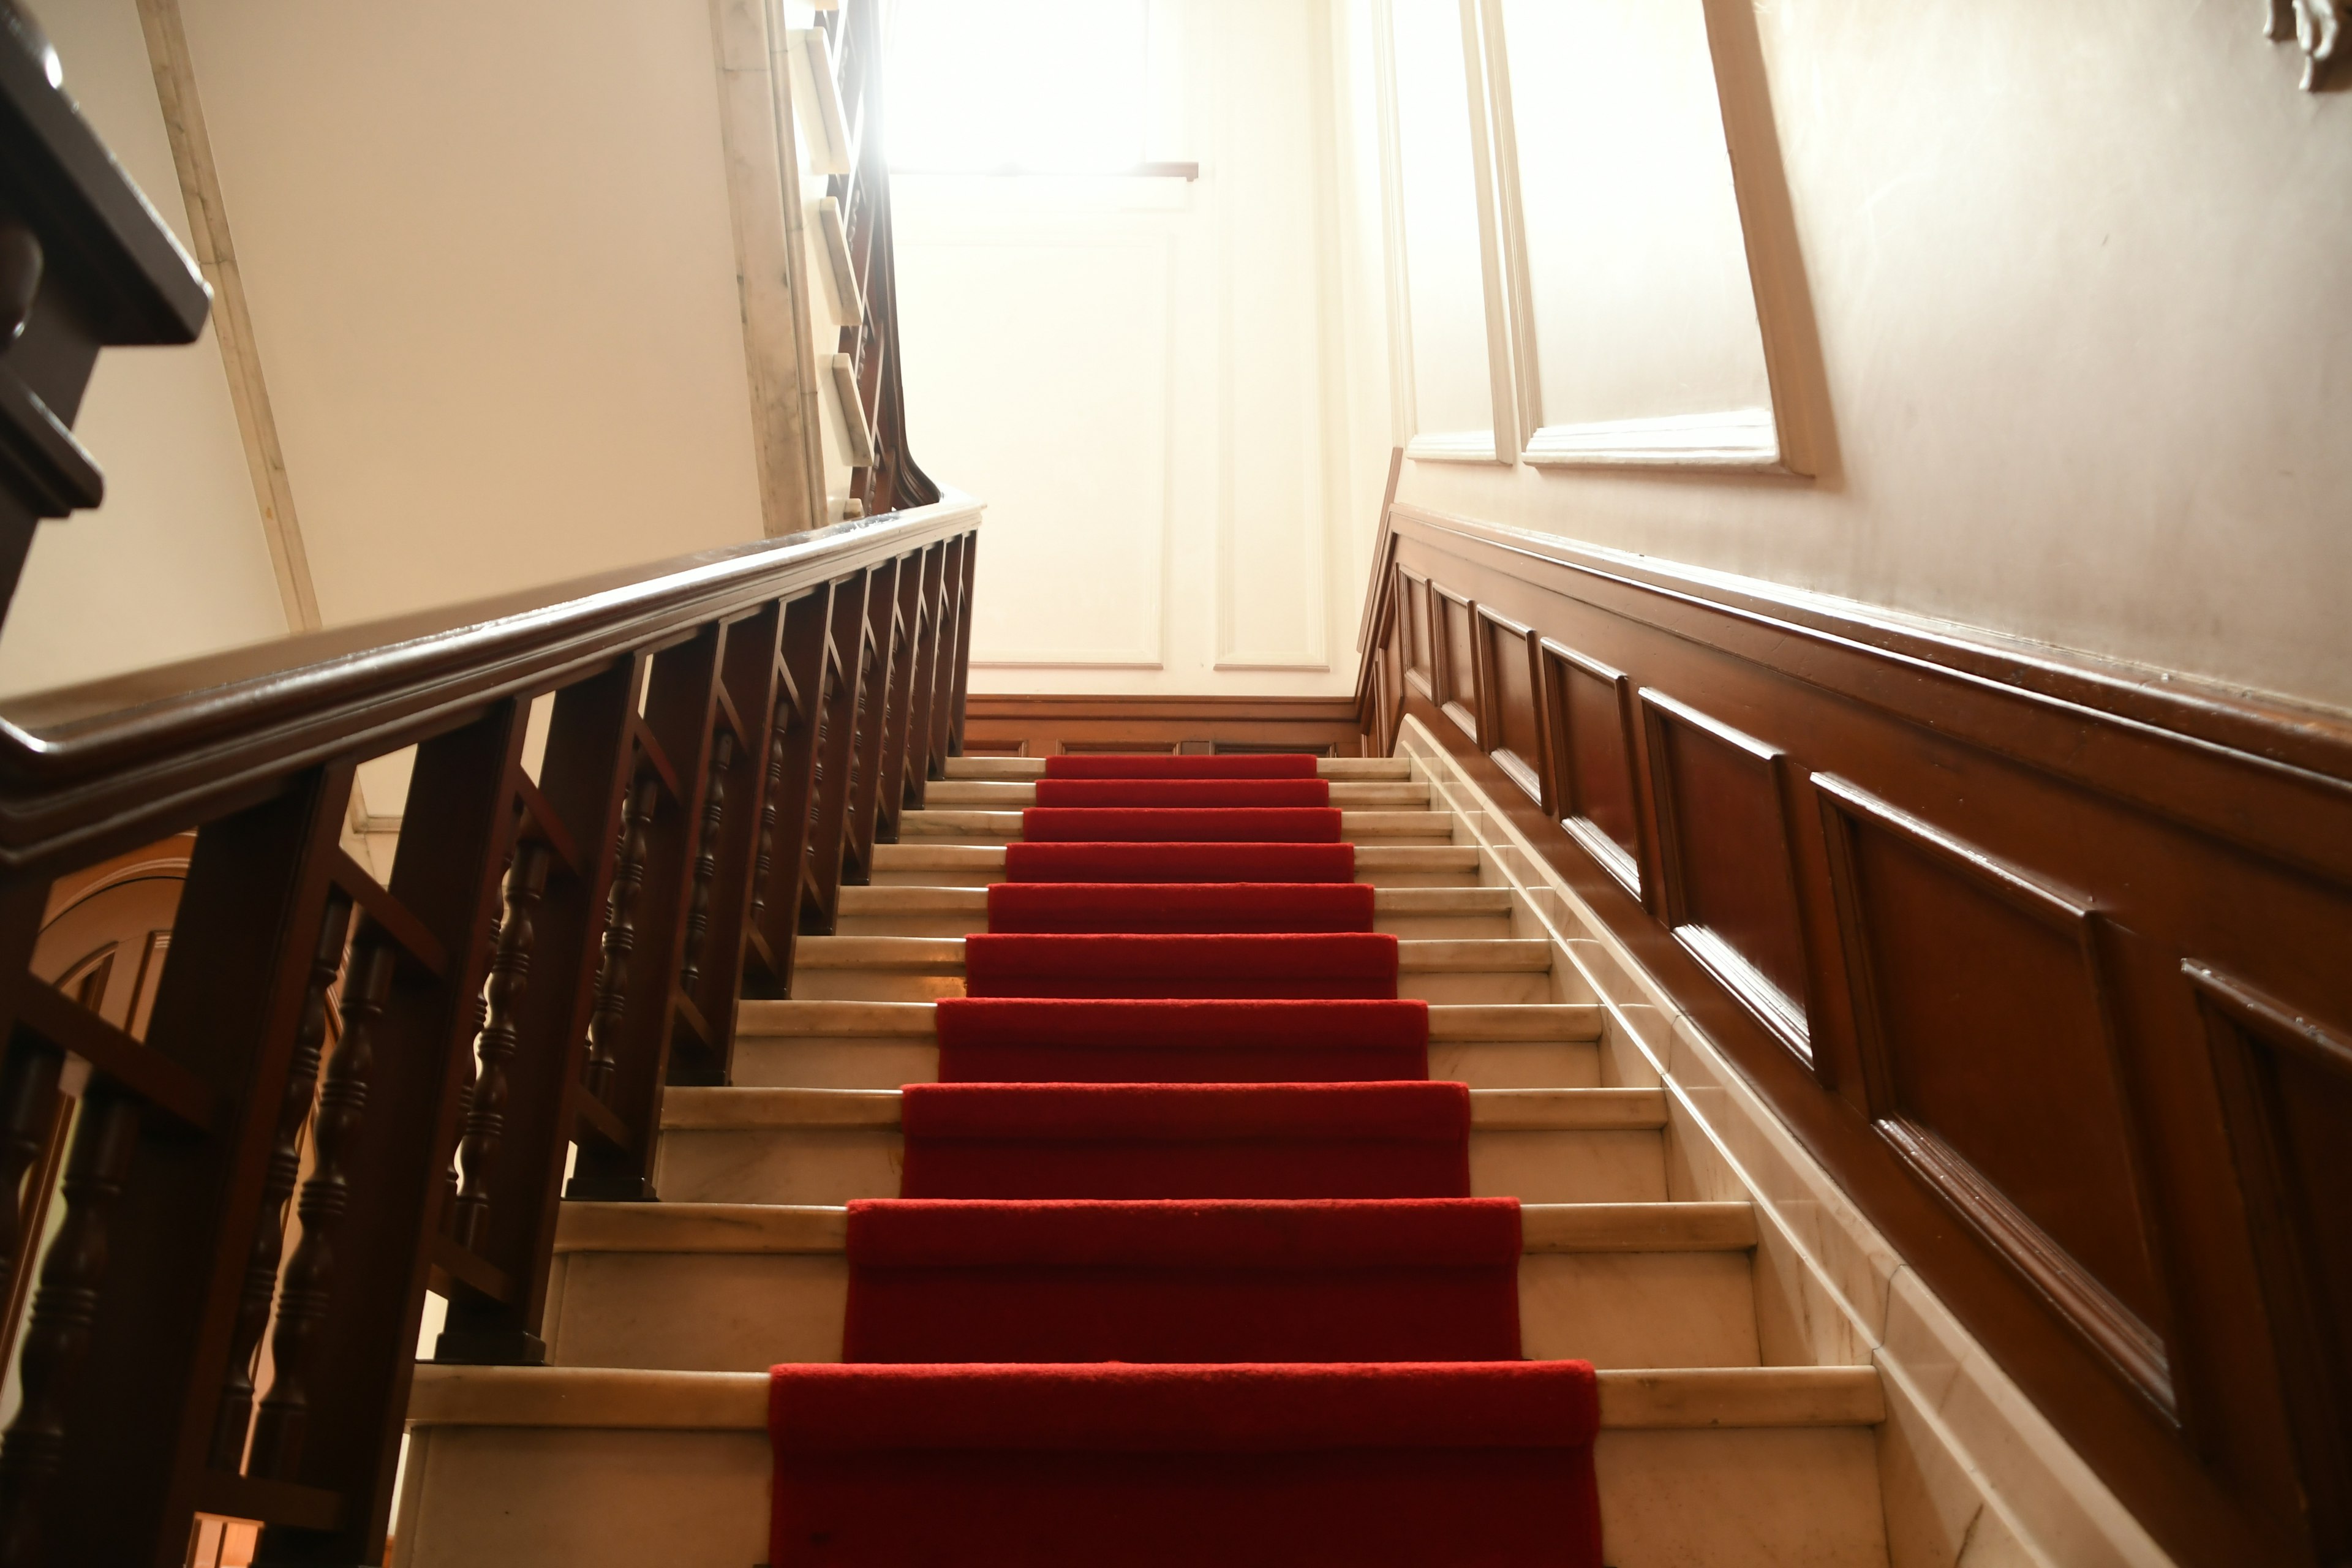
630, 794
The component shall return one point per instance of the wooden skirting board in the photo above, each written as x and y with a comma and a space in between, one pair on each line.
2049, 964
1004, 726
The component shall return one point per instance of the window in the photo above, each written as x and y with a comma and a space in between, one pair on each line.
1049, 87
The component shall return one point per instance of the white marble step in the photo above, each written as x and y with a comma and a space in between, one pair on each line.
979, 827
1012, 795
579, 1468
1456, 912
832, 1146
735, 1287
926, 968
930, 864
1028, 768
881, 1045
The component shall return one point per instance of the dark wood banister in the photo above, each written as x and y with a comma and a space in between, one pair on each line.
727, 736
100, 764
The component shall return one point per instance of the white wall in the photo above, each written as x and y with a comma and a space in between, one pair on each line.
174, 564
1143, 378
2078, 340
493, 284
493, 287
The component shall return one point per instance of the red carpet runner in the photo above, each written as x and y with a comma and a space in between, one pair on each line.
1184, 1269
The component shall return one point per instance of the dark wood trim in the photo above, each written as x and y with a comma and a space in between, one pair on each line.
87, 771
541, 965
1041, 726
2257, 1043
85, 264
2101, 828
1564, 800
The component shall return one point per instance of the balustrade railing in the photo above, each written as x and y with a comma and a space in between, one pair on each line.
564, 930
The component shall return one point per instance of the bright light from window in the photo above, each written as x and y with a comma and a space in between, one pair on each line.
1056, 86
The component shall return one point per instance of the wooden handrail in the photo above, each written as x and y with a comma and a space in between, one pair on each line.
727, 736
102, 762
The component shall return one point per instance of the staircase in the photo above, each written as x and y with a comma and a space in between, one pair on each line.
645, 1438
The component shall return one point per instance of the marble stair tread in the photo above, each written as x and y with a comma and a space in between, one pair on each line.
973, 901
944, 954
1354, 825
1027, 768
1535, 1021
620, 1398
1495, 1109
1012, 795
774, 1228
987, 860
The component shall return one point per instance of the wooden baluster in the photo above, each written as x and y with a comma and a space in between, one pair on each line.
278, 1185
925, 693
706, 859
478, 1152
962, 647
941, 744
837, 780
880, 695
764, 862
309, 1276
28, 1098
620, 936
800, 706
449, 1183
65, 1312
901, 616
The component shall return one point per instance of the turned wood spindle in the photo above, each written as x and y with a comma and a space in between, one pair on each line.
823, 711
486, 1116
310, 1275
277, 1186
706, 859
620, 937
28, 1098
65, 1311
764, 863
465, 1090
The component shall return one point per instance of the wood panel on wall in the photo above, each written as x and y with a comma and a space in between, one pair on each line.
2046, 964
1004, 725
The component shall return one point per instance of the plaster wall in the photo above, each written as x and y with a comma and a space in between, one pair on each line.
2084, 357
493, 283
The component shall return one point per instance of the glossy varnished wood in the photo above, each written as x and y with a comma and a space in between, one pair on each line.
2043, 961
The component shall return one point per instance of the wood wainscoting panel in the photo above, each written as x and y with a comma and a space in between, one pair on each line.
1934, 896
2007, 1098
1457, 659
1589, 715
1416, 635
1511, 720
1731, 895
1004, 725
2287, 1092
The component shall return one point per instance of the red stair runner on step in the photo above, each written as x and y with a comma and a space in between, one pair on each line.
1186, 1141
1180, 825
1183, 792
1180, 863
1131, 765
1349, 963
1195, 907
1384, 1465
1183, 1272
1070, 1280
1021, 1040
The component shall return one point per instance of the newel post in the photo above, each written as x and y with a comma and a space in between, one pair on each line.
84, 265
